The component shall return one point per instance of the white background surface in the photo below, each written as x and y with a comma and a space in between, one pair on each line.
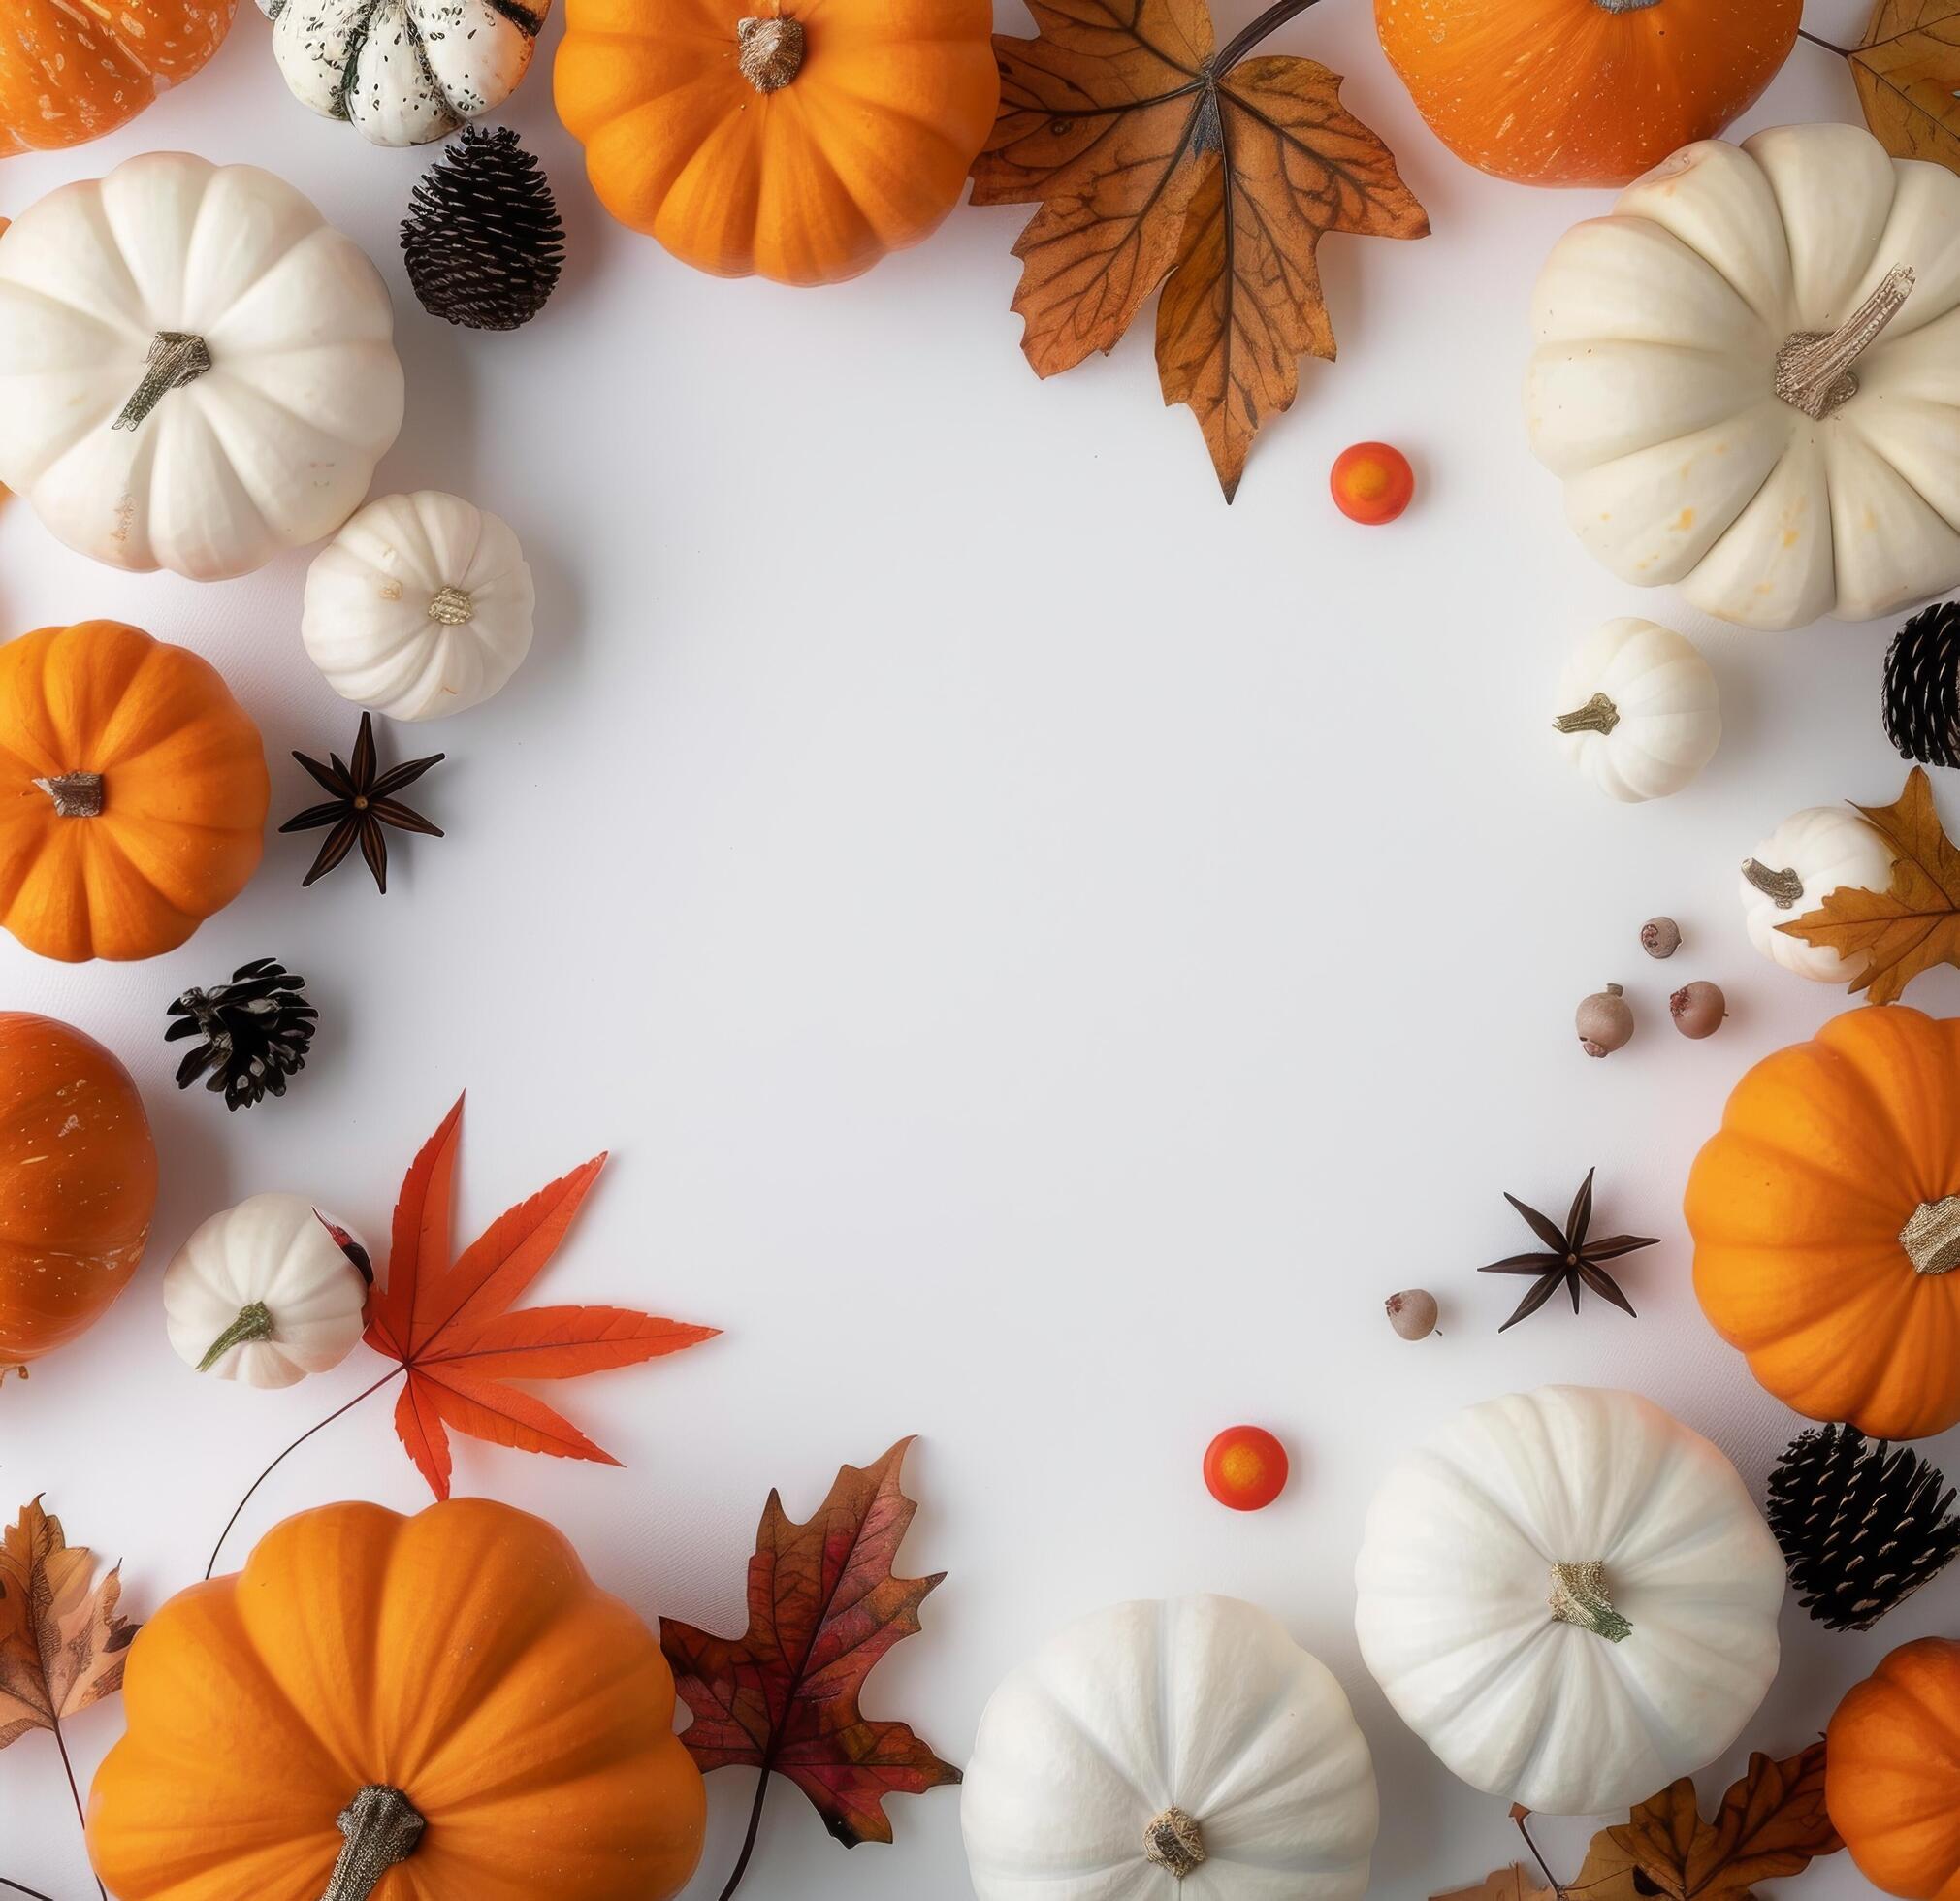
1048, 952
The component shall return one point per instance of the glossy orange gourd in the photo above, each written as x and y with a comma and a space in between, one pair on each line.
803, 145
1582, 92
133, 792
1826, 1222
1892, 1772
452, 1684
71, 70
77, 1183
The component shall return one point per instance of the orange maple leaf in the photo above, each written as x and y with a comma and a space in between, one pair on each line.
448, 1323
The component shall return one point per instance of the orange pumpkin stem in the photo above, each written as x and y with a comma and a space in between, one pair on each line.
175, 358
1174, 1841
1814, 369
1626, 6
771, 52
1597, 715
1932, 1236
383, 1827
76, 794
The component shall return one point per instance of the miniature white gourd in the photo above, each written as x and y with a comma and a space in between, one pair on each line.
1157, 1749
1570, 1598
1748, 377
421, 605
267, 1293
1793, 870
1638, 710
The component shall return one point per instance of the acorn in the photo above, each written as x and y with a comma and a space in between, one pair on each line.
1412, 1314
1604, 1022
1698, 1009
1661, 937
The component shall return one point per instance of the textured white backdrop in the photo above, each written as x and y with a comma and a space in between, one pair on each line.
1046, 952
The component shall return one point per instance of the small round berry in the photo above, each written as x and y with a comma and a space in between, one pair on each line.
1604, 1022
1245, 1468
1698, 1009
1413, 1314
1661, 937
1372, 483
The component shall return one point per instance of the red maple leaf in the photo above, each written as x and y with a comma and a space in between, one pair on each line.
823, 1607
448, 1323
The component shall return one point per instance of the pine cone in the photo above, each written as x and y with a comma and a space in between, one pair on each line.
1861, 1527
482, 239
1922, 687
255, 1031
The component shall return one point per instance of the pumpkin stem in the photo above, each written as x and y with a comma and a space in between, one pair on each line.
452, 607
76, 794
1579, 1596
383, 1827
770, 52
1597, 715
1932, 1236
1172, 1841
1785, 885
1625, 5
1814, 369
175, 358
254, 1323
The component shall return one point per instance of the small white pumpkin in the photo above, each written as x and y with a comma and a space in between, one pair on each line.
1749, 378
403, 72
1187, 1749
1796, 869
1639, 712
1570, 1598
421, 605
198, 372
267, 1293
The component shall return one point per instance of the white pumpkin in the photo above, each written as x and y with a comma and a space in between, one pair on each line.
267, 1293
1570, 1598
1188, 1749
1639, 713
1705, 435
420, 606
1796, 869
403, 72
198, 371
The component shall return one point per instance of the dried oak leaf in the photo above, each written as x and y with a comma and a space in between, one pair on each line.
447, 1322
62, 1642
823, 1608
1510, 1884
1153, 156
1908, 73
1913, 925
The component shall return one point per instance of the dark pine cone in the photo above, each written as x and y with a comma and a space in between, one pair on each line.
254, 1033
1862, 1526
1922, 687
482, 239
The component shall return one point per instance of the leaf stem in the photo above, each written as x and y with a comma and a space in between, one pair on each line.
75, 1793
20, 1887
288, 1453
1270, 21
1520, 1815
755, 1829
1804, 33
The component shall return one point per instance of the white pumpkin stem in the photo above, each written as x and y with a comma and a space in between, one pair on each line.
452, 607
175, 358
1785, 885
1174, 1841
383, 1827
254, 1323
1580, 1597
1814, 369
1932, 1236
76, 794
1597, 715
770, 52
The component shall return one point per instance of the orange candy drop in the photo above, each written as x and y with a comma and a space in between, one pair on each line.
1245, 1468
1372, 483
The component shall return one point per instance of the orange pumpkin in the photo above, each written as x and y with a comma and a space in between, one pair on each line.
1826, 1223
133, 792
1582, 92
1892, 1772
444, 1705
71, 70
804, 145
78, 1182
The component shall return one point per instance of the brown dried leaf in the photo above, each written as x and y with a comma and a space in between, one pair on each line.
1913, 926
1908, 73
61, 1643
1510, 1884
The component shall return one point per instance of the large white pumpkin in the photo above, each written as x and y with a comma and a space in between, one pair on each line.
198, 372
1705, 437
1188, 1751
403, 72
1570, 1598
1796, 869
421, 605
1639, 712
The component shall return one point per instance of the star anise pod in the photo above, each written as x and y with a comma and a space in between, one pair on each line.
363, 803
1570, 1259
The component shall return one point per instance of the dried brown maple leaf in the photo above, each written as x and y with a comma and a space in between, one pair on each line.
1510, 1884
1913, 925
823, 1607
1153, 156
1908, 73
